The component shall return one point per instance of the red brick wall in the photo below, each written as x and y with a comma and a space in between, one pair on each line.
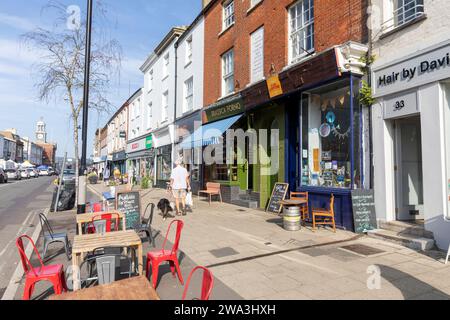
333, 24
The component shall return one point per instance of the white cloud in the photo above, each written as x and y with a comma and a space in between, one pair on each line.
16, 22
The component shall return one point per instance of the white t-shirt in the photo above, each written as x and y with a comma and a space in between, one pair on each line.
179, 176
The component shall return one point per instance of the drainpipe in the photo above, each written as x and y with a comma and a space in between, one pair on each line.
175, 102
369, 82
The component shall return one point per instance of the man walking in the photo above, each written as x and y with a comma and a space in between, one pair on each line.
179, 182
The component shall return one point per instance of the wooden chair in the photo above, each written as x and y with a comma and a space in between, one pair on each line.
326, 216
304, 208
212, 189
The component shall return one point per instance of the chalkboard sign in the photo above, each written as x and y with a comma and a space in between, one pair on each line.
364, 213
129, 203
279, 194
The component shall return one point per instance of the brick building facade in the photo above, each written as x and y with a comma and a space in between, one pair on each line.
308, 53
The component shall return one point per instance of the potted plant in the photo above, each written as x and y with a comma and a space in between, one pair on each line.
145, 183
92, 178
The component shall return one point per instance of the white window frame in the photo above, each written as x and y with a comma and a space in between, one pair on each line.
166, 63
150, 114
301, 31
189, 50
393, 12
165, 107
228, 18
254, 78
150, 81
188, 95
253, 3
227, 72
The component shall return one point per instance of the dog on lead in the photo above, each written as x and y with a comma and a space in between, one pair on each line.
165, 208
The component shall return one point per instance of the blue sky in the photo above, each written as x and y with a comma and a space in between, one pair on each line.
139, 25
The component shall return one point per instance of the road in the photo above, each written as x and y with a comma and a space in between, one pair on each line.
20, 205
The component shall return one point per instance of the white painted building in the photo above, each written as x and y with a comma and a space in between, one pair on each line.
117, 139
159, 102
2, 145
32, 152
411, 119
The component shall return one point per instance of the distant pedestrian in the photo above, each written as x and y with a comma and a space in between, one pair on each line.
106, 176
179, 183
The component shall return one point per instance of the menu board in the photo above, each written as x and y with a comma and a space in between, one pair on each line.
129, 204
279, 194
364, 213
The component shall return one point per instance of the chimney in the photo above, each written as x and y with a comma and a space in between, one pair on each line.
205, 3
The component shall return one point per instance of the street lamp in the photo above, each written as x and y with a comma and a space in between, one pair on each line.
82, 186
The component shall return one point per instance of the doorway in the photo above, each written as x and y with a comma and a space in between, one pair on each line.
409, 169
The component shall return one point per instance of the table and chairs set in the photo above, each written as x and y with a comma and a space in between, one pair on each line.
107, 259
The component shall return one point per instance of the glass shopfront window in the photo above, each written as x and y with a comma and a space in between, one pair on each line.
331, 137
221, 171
164, 168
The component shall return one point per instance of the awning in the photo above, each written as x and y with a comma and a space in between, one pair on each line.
209, 133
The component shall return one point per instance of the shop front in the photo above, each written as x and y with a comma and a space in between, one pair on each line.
119, 161
221, 159
321, 146
163, 141
411, 124
184, 127
141, 159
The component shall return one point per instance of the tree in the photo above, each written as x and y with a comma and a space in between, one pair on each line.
61, 53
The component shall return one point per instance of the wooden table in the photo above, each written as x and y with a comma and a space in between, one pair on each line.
293, 203
84, 244
87, 218
138, 288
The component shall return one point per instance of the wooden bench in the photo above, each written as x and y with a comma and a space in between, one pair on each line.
212, 189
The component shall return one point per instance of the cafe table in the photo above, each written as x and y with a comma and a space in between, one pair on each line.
83, 244
87, 218
137, 288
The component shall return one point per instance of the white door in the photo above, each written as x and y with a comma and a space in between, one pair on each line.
409, 177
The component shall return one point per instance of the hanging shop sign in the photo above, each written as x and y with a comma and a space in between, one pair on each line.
224, 109
429, 66
274, 86
122, 134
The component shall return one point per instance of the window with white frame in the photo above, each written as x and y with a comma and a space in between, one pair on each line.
150, 115
228, 73
301, 30
399, 12
189, 50
257, 55
228, 14
165, 108
188, 95
166, 66
150, 81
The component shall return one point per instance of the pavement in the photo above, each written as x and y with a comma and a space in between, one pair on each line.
253, 258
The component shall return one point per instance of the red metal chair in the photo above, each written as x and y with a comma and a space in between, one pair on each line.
52, 273
155, 258
109, 218
97, 207
207, 284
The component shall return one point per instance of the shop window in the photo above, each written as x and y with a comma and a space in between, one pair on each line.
327, 128
164, 164
221, 171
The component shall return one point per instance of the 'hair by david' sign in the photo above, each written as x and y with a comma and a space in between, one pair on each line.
430, 66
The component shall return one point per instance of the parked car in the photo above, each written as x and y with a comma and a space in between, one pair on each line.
51, 172
69, 176
24, 174
32, 173
3, 176
13, 174
43, 172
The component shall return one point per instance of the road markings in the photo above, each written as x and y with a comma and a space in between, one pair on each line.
14, 283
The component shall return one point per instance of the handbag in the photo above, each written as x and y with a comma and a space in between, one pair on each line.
189, 200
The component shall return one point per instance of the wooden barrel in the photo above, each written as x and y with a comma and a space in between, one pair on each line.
292, 219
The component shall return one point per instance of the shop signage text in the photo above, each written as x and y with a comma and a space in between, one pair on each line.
274, 86
423, 69
149, 142
401, 105
225, 111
